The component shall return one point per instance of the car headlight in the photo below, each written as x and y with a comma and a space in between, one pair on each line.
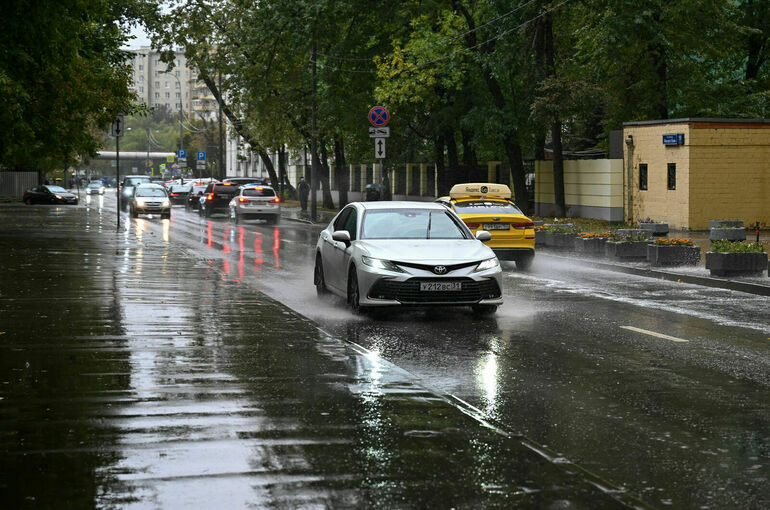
166, 203
487, 264
381, 264
140, 202
58, 196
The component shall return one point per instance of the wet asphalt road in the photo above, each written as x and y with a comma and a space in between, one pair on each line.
172, 402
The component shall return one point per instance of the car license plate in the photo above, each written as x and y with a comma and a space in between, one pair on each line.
440, 286
496, 226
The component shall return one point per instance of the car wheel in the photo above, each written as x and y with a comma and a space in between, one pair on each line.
524, 263
165, 215
354, 293
28, 201
484, 310
318, 278
134, 213
207, 213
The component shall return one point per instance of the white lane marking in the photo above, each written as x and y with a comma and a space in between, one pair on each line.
652, 333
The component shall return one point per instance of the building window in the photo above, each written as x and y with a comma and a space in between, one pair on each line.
157, 95
176, 84
141, 77
643, 176
141, 67
168, 106
179, 106
672, 176
166, 84
176, 73
157, 84
178, 95
141, 89
168, 95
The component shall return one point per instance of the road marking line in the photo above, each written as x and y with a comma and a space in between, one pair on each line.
652, 333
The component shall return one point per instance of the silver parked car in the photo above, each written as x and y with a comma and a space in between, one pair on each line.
256, 201
150, 199
406, 253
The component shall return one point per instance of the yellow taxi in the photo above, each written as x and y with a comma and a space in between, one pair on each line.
488, 206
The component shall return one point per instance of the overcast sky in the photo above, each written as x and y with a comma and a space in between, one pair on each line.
141, 38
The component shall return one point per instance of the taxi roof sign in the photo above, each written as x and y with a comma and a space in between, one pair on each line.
480, 189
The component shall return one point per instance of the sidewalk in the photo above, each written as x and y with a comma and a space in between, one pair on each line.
136, 373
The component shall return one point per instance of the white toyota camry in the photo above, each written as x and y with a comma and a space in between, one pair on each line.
406, 253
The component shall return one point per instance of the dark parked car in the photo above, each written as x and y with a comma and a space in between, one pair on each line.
192, 202
217, 197
177, 193
49, 194
242, 181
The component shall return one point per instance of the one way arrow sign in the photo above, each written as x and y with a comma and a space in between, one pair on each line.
379, 148
117, 126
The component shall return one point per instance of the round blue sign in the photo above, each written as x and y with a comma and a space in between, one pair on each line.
378, 116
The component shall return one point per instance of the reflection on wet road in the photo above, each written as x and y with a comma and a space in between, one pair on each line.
173, 365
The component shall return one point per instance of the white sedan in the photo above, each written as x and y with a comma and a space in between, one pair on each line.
377, 254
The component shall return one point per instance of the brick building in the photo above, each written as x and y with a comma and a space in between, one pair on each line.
688, 171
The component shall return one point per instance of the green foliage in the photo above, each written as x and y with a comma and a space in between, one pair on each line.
725, 246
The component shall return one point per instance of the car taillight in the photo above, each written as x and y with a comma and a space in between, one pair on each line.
120, 188
526, 224
210, 197
277, 200
175, 194
472, 225
242, 200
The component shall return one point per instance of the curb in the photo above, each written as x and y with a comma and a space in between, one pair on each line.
706, 281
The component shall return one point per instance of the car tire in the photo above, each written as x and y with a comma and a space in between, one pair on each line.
28, 201
166, 215
134, 213
484, 310
524, 263
354, 296
207, 213
318, 278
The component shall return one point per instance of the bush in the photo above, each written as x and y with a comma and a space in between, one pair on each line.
725, 246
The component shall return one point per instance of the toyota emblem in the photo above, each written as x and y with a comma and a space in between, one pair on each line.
439, 269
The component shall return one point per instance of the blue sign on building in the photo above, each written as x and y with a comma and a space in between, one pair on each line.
673, 139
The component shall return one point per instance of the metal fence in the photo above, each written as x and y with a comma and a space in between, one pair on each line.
13, 184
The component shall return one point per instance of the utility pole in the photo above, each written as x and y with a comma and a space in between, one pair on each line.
221, 161
313, 150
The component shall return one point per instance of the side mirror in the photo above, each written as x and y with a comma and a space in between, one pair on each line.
342, 236
483, 236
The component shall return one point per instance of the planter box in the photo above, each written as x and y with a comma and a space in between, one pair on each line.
540, 237
673, 255
594, 246
560, 241
730, 264
626, 250
656, 229
729, 234
727, 223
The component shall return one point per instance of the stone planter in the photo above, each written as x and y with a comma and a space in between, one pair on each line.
660, 255
560, 241
540, 237
656, 229
725, 223
626, 250
591, 246
633, 231
732, 264
727, 234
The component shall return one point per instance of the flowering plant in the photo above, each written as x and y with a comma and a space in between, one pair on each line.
594, 235
725, 246
639, 235
540, 228
562, 229
674, 242
648, 220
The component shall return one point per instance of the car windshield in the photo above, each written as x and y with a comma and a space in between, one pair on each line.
410, 224
198, 189
258, 192
95, 185
57, 189
226, 188
180, 188
486, 207
150, 192
136, 182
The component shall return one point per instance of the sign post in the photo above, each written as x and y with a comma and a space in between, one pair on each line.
379, 118
117, 132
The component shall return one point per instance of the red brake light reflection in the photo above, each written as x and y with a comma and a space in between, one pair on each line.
242, 200
277, 200
210, 197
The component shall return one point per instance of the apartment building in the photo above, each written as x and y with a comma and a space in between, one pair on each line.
157, 86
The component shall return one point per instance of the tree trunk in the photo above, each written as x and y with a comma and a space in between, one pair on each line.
558, 157
328, 201
471, 164
341, 174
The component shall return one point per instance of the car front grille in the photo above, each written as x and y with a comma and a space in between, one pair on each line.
409, 292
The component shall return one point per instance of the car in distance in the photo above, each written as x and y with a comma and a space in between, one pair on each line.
127, 185
49, 194
150, 199
487, 206
256, 201
242, 181
95, 188
378, 254
178, 193
192, 203
216, 198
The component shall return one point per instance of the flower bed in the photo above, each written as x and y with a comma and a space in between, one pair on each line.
561, 237
673, 252
591, 243
731, 258
654, 227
